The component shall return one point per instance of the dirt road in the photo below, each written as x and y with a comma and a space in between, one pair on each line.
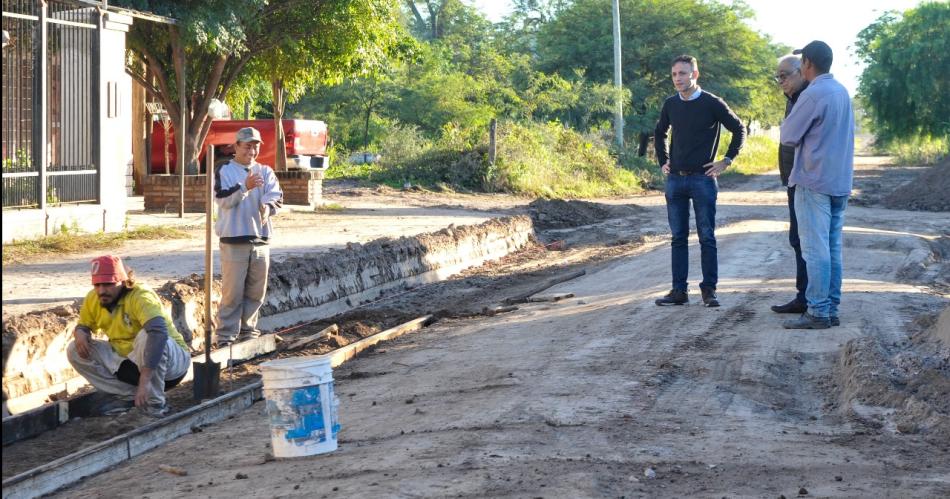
590, 396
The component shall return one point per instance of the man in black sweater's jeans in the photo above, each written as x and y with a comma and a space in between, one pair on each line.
695, 116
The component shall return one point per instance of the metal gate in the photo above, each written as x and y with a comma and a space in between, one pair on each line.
50, 103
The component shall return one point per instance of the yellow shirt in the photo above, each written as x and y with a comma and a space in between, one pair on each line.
136, 307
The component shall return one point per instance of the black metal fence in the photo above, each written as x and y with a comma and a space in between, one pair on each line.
50, 104
20, 175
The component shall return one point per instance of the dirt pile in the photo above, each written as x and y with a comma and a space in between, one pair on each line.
933, 269
930, 191
900, 387
561, 214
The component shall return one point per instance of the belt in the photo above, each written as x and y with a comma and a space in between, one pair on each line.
686, 173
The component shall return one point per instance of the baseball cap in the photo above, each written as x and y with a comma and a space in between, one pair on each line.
818, 52
248, 134
108, 269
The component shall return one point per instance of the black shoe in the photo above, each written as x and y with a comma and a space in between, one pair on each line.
835, 321
808, 321
674, 297
709, 298
223, 344
792, 307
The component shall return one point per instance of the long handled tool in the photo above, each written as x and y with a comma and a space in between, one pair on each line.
208, 374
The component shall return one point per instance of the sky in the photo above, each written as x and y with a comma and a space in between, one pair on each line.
836, 22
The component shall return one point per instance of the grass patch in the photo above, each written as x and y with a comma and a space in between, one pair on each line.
71, 242
759, 155
347, 170
916, 151
329, 208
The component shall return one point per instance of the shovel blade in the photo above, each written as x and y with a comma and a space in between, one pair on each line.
207, 381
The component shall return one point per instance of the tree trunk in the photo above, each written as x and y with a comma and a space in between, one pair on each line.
644, 142
369, 111
280, 159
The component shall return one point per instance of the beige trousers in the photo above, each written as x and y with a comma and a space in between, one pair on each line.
244, 270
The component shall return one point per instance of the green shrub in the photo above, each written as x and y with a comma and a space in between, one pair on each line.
550, 160
402, 144
547, 160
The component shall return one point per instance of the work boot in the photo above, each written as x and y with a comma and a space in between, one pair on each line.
223, 343
709, 297
792, 307
674, 297
808, 321
154, 410
248, 335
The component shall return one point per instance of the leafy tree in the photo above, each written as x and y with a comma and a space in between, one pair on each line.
518, 32
354, 37
213, 42
735, 62
904, 85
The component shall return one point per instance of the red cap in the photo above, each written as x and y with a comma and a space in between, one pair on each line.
108, 269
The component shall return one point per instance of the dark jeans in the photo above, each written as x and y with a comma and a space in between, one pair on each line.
801, 275
702, 190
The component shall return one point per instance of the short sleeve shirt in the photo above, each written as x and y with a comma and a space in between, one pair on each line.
136, 307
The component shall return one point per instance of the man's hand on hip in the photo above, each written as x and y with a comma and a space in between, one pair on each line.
715, 168
665, 168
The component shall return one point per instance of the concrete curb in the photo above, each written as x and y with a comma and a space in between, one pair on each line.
93, 460
87, 462
48, 416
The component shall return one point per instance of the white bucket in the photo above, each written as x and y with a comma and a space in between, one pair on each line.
301, 406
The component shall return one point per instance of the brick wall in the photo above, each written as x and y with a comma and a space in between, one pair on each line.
304, 187
301, 187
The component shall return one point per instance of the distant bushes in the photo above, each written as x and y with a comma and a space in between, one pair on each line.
549, 160
916, 150
535, 159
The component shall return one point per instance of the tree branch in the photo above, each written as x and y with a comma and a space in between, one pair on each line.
142, 81
211, 86
416, 13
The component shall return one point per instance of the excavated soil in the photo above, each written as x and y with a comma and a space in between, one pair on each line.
877, 183
561, 214
899, 386
929, 191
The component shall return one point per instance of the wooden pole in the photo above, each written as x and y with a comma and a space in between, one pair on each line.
182, 130
209, 261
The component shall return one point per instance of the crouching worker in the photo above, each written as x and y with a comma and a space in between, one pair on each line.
144, 355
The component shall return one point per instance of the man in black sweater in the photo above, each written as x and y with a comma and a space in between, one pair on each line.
691, 169
789, 76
